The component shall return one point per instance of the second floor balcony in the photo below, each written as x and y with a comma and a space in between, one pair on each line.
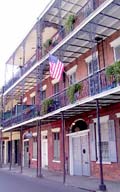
90, 86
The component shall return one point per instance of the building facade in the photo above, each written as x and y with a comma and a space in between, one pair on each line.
71, 125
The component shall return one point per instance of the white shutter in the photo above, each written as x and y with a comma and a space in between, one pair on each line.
112, 141
34, 150
92, 142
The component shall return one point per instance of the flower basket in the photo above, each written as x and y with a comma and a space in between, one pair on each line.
69, 24
73, 92
113, 72
47, 105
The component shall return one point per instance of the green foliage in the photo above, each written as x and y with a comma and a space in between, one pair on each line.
46, 104
72, 90
69, 23
48, 43
113, 71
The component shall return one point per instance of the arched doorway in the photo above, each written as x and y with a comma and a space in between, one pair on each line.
79, 148
79, 125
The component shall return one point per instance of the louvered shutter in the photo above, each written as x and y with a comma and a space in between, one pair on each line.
92, 142
112, 141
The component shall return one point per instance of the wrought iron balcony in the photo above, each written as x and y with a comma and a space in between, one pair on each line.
21, 72
83, 13
89, 86
11, 118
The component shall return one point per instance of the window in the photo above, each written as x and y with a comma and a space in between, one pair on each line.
94, 84
104, 142
56, 97
92, 66
43, 94
34, 148
117, 53
108, 140
33, 100
105, 150
56, 145
72, 78
71, 73
56, 88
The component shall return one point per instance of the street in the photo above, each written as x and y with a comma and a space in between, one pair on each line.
18, 183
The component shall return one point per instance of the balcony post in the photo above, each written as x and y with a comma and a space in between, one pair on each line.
102, 186
10, 166
39, 76
1, 143
39, 156
21, 149
63, 146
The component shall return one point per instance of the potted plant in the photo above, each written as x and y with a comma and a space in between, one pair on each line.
47, 105
74, 91
69, 24
113, 72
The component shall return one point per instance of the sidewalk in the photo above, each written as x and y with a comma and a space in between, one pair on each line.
86, 183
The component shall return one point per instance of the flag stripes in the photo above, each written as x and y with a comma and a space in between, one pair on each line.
56, 67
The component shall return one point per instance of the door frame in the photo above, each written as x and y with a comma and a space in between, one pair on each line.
71, 136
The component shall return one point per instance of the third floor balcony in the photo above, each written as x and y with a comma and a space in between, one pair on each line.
72, 15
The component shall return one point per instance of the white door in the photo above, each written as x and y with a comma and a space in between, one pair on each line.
80, 156
85, 156
44, 152
77, 169
26, 153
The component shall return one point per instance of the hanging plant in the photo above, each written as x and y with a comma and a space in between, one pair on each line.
69, 24
48, 43
72, 90
47, 105
113, 71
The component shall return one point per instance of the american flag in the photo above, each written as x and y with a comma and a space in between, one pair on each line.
56, 67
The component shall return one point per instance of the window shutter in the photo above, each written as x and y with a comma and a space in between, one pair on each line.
35, 150
112, 141
92, 142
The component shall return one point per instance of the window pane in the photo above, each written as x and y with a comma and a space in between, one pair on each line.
43, 94
34, 150
117, 53
105, 150
33, 100
56, 88
56, 147
72, 78
104, 141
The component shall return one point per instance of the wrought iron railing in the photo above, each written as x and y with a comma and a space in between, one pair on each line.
21, 72
91, 85
23, 115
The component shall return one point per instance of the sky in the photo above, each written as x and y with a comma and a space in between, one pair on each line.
16, 19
